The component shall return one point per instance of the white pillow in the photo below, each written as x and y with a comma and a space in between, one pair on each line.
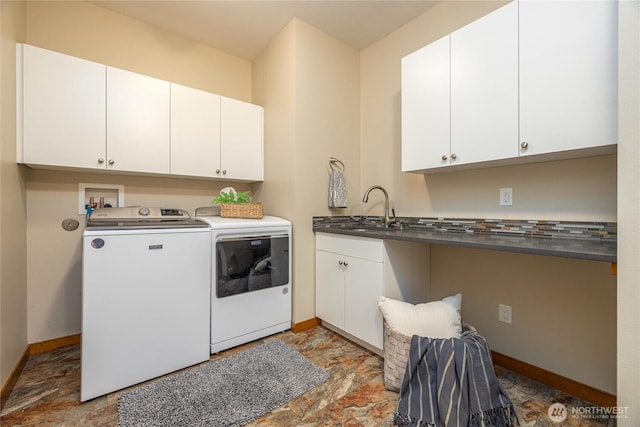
435, 319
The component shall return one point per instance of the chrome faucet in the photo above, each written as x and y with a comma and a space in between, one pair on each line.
387, 219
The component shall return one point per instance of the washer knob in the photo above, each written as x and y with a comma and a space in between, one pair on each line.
144, 211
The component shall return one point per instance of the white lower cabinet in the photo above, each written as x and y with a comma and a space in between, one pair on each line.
349, 300
353, 272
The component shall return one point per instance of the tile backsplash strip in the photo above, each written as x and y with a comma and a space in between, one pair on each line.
598, 231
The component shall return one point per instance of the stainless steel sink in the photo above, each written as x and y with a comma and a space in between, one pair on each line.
365, 228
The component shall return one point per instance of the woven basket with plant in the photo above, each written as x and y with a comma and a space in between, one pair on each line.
238, 205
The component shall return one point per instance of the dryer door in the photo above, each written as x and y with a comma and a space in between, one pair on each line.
246, 264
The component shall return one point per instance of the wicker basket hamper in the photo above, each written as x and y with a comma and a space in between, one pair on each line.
396, 355
241, 210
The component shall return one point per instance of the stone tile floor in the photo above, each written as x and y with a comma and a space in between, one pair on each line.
47, 392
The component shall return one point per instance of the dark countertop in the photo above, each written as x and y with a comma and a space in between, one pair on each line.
559, 247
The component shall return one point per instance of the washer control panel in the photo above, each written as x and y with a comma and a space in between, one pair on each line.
173, 213
138, 213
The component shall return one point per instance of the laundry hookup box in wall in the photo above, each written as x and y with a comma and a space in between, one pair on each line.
98, 196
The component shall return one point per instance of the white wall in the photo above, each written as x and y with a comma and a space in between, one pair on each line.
88, 31
13, 226
563, 311
628, 208
327, 96
274, 88
308, 83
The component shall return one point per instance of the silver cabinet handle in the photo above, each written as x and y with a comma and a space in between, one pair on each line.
346, 263
111, 161
224, 171
341, 262
217, 171
454, 156
100, 161
444, 157
524, 145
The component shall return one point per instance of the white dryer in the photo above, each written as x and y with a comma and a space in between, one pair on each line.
250, 278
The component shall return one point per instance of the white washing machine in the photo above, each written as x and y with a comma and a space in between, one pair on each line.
250, 278
146, 281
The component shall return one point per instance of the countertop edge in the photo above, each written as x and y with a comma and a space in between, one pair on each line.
505, 243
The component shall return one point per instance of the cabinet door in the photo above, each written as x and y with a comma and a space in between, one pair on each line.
195, 132
241, 150
363, 287
64, 114
330, 288
568, 75
426, 119
137, 122
484, 88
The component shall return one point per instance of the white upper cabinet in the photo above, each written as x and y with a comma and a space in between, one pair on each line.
242, 141
138, 109
63, 109
216, 137
73, 113
533, 80
484, 88
426, 118
195, 132
568, 75
460, 96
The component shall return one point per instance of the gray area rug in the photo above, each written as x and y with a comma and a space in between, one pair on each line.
227, 392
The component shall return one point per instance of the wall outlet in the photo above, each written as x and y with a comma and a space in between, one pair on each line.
506, 196
504, 313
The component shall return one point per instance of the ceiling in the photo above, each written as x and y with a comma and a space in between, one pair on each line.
244, 27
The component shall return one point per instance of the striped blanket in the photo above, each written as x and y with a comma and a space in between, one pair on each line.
451, 383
